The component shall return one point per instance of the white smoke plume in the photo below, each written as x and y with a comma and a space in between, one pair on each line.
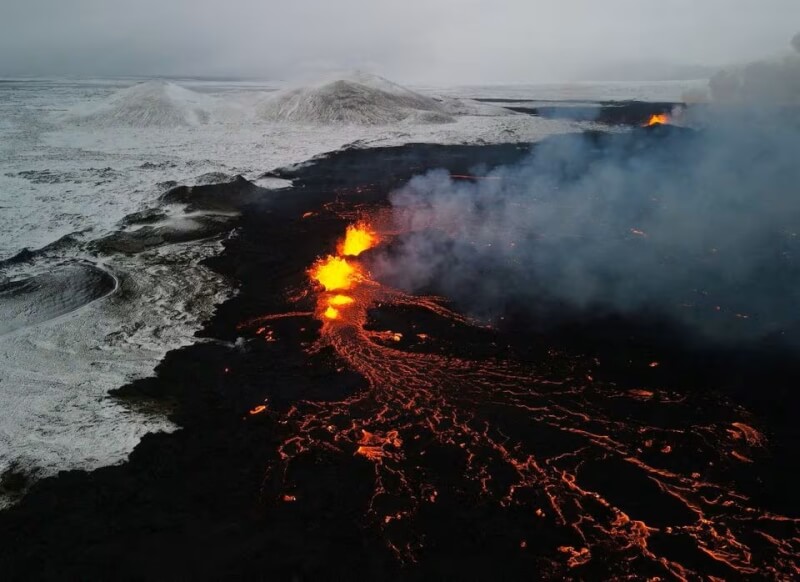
700, 227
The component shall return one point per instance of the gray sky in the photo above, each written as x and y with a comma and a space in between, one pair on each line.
407, 40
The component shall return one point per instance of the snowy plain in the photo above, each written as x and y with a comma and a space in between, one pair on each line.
77, 157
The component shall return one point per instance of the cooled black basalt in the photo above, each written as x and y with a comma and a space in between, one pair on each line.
619, 113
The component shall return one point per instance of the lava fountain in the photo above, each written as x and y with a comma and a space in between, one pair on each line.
358, 238
658, 119
420, 405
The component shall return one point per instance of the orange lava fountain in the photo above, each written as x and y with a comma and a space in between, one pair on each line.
335, 273
658, 119
419, 403
358, 238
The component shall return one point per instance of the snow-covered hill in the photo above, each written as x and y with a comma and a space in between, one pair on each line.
149, 104
359, 99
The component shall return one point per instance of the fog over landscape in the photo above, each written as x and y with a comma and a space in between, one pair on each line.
443, 41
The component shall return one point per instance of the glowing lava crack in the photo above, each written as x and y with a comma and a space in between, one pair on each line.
417, 402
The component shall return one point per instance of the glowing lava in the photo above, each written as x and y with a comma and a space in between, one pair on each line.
567, 427
358, 238
335, 273
341, 300
658, 119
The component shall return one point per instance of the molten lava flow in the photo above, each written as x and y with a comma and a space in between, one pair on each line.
375, 447
334, 273
340, 300
565, 429
358, 238
658, 119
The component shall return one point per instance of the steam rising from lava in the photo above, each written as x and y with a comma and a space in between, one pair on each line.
700, 227
418, 407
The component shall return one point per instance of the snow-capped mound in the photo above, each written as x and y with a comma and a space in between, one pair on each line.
359, 99
150, 104
47, 296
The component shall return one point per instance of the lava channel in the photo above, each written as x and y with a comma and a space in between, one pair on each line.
416, 403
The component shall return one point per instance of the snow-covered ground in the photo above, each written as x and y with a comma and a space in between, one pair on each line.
76, 157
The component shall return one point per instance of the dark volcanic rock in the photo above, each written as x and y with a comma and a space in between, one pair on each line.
635, 113
28, 256
14, 480
149, 236
148, 216
222, 197
210, 502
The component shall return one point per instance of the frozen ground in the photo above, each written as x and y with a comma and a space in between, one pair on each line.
76, 157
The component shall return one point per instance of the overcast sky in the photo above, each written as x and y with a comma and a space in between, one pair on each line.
407, 40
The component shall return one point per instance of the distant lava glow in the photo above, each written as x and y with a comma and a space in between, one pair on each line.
541, 438
658, 119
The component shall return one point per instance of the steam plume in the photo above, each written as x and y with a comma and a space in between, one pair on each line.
775, 82
699, 227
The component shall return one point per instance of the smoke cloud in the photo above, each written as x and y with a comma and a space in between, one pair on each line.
775, 82
700, 227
